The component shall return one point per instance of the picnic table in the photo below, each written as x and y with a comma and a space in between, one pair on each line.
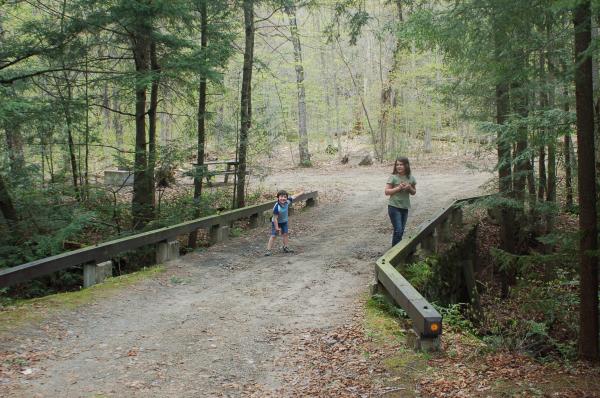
219, 167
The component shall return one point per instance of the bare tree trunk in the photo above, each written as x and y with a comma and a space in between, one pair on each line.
336, 102
588, 244
71, 144
142, 201
86, 181
199, 172
152, 113
596, 82
290, 10
246, 102
326, 85
388, 92
508, 241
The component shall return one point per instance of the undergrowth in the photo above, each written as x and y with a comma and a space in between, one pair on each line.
540, 315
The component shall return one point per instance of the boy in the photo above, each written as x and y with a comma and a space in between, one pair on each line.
279, 221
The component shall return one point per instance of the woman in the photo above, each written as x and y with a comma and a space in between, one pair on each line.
400, 185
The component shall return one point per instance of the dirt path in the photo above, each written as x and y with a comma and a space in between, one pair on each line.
217, 322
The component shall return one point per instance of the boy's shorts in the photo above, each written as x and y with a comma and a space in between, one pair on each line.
282, 225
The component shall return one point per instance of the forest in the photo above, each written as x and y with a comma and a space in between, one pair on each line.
155, 93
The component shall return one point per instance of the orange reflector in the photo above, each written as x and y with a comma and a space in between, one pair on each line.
434, 327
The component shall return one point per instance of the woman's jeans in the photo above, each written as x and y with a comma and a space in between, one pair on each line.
398, 217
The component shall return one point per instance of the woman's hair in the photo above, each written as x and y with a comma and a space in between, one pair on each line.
406, 164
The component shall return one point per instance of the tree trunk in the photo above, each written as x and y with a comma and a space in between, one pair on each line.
290, 10
70, 141
141, 203
6, 204
389, 93
116, 122
596, 82
588, 244
569, 158
336, 102
199, 172
14, 146
246, 102
152, 119
531, 185
522, 162
567, 148
508, 241
541, 189
326, 85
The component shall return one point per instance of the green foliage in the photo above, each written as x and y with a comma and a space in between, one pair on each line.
306, 163
380, 302
453, 316
236, 232
419, 274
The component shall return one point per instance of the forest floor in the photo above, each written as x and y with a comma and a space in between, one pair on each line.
227, 321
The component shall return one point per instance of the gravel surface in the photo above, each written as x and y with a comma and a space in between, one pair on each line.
219, 322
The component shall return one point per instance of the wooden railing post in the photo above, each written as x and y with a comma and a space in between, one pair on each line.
255, 221
167, 251
311, 202
457, 217
430, 242
443, 230
94, 273
218, 233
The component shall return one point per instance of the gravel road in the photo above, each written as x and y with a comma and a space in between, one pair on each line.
217, 321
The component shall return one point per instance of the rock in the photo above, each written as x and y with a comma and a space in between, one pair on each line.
366, 161
357, 159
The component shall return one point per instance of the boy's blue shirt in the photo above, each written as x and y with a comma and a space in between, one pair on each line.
282, 211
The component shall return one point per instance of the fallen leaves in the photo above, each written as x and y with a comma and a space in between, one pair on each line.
331, 363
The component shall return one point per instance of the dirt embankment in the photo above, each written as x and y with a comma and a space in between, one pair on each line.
220, 322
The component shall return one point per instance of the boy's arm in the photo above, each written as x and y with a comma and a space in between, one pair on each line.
275, 221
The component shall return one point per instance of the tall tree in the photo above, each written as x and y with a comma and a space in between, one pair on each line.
588, 244
142, 201
152, 118
290, 9
201, 118
245, 102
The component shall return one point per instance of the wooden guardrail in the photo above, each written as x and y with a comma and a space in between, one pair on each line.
427, 321
166, 238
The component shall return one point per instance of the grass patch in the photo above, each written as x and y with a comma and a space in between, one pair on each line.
404, 367
235, 232
37, 309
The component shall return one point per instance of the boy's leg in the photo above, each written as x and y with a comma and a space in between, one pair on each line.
286, 239
271, 239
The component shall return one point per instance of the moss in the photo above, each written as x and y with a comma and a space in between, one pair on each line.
404, 367
36, 310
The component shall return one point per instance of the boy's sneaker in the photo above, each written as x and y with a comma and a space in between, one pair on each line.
268, 253
287, 249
